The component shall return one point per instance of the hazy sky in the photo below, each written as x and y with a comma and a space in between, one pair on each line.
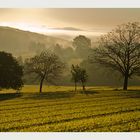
67, 21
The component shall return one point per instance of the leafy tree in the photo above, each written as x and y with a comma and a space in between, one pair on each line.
66, 53
120, 51
79, 75
46, 65
81, 41
10, 72
82, 46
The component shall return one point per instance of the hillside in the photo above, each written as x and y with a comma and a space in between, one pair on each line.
25, 43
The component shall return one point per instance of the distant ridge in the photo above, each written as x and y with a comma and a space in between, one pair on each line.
19, 42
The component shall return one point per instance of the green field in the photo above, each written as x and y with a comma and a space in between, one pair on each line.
100, 109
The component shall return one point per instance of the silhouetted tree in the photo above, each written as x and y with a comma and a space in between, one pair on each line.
120, 51
46, 65
10, 72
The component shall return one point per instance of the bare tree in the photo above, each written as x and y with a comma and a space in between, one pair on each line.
46, 65
83, 77
79, 75
120, 51
75, 75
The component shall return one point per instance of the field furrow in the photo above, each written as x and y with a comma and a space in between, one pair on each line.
68, 112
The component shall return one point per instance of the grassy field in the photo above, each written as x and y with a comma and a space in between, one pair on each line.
60, 109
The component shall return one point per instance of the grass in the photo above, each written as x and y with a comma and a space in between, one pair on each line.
59, 109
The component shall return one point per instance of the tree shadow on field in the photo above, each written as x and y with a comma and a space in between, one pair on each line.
52, 95
132, 93
8, 96
89, 92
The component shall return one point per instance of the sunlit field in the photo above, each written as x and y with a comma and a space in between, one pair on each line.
61, 109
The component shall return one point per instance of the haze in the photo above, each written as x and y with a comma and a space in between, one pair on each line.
67, 22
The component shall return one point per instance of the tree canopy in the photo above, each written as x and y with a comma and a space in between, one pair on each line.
82, 46
46, 65
79, 75
120, 51
10, 72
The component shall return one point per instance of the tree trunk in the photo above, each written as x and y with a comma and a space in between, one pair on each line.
83, 87
41, 84
75, 87
125, 82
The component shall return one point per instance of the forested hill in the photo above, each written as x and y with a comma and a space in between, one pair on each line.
25, 43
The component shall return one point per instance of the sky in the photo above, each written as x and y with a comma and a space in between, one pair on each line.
90, 22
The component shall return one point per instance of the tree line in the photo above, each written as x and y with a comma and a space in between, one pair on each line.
118, 50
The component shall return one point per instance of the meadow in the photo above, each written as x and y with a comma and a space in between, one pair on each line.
60, 109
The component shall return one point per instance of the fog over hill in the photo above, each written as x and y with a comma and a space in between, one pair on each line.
26, 43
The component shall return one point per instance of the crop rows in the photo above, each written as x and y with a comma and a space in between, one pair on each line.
102, 111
